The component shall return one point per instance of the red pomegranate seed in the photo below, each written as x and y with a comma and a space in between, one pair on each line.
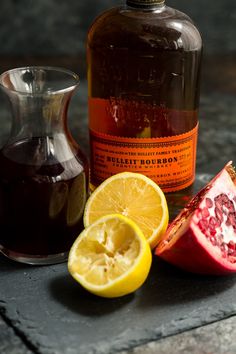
219, 239
213, 222
224, 249
199, 213
231, 219
213, 241
230, 206
231, 245
221, 198
205, 213
219, 205
203, 224
224, 198
228, 223
212, 232
219, 215
209, 203
233, 255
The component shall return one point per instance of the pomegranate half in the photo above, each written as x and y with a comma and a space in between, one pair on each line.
202, 238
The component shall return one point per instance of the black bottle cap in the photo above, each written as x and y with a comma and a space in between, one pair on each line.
144, 3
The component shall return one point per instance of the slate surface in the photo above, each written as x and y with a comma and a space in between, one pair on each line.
10, 343
54, 315
215, 338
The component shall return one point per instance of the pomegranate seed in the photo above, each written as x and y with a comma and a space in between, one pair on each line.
213, 223
212, 232
221, 198
231, 245
209, 203
203, 224
228, 223
219, 206
224, 198
219, 215
213, 241
199, 213
224, 249
230, 252
231, 219
230, 206
219, 239
205, 213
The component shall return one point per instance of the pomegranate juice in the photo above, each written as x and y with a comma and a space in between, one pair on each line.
41, 200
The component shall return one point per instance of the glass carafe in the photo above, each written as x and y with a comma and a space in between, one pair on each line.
43, 172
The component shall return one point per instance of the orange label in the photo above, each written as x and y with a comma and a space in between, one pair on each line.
169, 161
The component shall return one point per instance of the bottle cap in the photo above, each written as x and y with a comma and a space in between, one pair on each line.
144, 3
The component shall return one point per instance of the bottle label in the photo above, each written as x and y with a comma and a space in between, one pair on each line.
169, 161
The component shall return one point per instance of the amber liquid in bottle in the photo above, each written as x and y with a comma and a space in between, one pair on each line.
143, 77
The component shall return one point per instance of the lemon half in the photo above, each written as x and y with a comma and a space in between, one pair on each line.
135, 196
110, 258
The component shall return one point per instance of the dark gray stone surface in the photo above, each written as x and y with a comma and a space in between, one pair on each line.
57, 316
10, 343
218, 337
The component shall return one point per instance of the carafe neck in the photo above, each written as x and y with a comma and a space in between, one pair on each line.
38, 116
39, 98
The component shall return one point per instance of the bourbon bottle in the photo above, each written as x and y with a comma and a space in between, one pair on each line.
143, 85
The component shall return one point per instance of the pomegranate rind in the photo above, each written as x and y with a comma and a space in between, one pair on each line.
185, 246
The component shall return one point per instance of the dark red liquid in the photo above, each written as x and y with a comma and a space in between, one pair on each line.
41, 200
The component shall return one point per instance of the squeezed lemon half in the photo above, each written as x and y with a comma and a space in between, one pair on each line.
135, 196
111, 257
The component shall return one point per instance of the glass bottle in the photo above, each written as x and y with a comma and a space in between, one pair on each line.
43, 172
143, 86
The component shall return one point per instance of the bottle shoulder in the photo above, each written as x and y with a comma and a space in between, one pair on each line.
125, 27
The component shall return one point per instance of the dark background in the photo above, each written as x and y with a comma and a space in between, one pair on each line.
53, 32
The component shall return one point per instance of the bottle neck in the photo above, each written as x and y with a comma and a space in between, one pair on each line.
145, 4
